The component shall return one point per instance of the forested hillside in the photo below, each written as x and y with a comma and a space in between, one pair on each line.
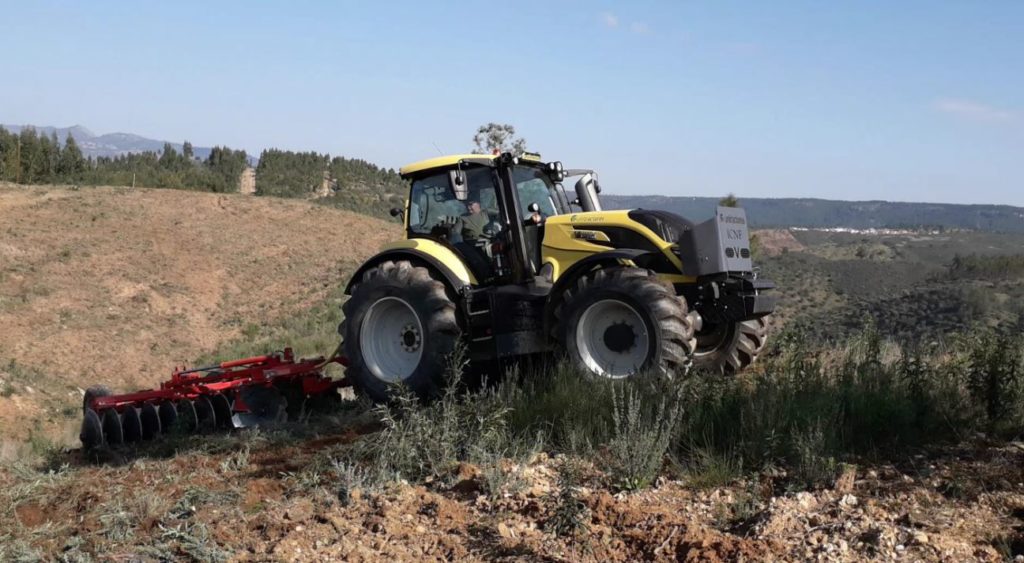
823, 213
110, 144
921, 287
28, 157
342, 182
31, 158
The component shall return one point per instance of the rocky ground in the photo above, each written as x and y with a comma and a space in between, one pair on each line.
259, 497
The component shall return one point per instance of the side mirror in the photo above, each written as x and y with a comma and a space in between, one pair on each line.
586, 192
459, 185
398, 212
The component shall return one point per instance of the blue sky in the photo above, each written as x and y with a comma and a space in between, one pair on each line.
908, 101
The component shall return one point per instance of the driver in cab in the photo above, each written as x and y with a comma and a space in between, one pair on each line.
471, 225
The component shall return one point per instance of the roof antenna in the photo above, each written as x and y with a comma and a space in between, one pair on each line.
437, 149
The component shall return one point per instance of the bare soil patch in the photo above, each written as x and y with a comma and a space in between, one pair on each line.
118, 285
776, 241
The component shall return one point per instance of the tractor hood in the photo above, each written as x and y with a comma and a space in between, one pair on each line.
716, 246
668, 226
720, 244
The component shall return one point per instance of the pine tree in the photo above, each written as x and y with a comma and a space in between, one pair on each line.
186, 151
28, 153
8, 148
168, 157
72, 164
729, 201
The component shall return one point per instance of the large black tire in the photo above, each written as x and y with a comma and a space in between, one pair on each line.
729, 349
424, 338
616, 344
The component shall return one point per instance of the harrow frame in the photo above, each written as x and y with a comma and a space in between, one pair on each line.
207, 398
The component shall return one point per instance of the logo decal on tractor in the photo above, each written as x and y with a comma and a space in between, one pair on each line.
585, 235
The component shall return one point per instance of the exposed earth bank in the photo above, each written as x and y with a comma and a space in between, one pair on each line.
118, 285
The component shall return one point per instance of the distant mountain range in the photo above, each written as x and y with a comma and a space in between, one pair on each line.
823, 213
110, 144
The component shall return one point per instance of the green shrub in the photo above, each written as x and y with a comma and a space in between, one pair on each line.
421, 441
569, 516
643, 427
994, 379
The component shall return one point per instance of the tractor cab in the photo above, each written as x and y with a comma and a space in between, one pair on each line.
486, 207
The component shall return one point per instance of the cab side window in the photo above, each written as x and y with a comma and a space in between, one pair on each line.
482, 188
432, 200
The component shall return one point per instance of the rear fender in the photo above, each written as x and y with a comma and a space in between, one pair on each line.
421, 252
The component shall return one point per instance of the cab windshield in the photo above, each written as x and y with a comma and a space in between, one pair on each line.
535, 186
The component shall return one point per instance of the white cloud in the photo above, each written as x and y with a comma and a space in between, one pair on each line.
973, 111
610, 20
639, 27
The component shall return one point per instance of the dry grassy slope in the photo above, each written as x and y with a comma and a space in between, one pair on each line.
115, 286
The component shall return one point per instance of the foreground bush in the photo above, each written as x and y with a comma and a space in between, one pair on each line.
806, 411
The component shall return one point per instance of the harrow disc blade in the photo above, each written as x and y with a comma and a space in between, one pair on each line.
323, 403
295, 399
92, 393
150, 419
206, 420
131, 425
188, 420
222, 411
112, 431
168, 416
91, 434
266, 407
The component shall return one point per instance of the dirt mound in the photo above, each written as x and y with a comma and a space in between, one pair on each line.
117, 285
776, 241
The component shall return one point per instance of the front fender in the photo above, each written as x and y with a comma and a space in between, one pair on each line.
423, 252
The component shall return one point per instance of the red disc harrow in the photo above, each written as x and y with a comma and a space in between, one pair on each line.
247, 392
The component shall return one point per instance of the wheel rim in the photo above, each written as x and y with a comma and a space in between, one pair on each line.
391, 340
612, 339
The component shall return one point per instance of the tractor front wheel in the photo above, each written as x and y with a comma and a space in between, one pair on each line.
399, 328
730, 348
620, 321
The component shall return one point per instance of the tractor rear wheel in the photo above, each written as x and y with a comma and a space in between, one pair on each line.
400, 327
730, 348
620, 321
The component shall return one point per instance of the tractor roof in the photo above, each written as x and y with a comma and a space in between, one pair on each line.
438, 162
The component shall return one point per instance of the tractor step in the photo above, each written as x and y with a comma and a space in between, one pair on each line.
253, 391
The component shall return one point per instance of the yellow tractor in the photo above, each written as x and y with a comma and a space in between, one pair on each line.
497, 255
